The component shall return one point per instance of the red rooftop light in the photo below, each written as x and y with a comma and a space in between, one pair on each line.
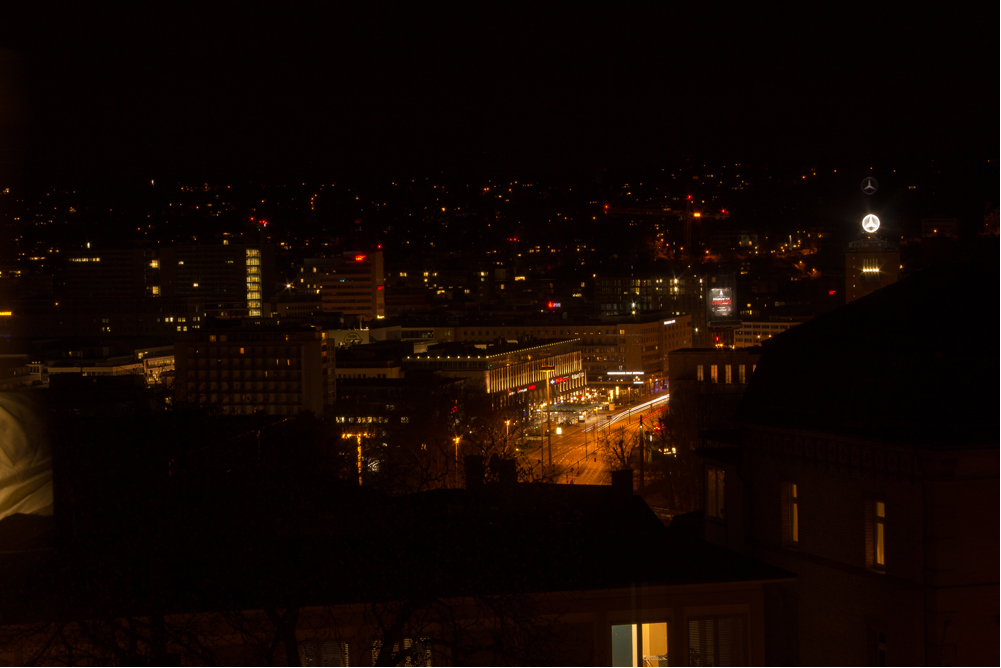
359, 258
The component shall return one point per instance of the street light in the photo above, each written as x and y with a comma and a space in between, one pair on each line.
455, 476
549, 415
507, 432
358, 436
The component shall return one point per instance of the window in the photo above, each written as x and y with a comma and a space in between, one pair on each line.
875, 537
729, 374
880, 542
324, 653
714, 373
420, 653
717, 641
741, 378
790, 513
715, 492
639, 644
875, 649
699, 373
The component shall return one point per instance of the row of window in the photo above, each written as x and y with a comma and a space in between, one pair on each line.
875, 525
875, 516
727, 370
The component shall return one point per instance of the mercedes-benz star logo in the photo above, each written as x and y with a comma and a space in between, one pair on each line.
869, 185
870, 223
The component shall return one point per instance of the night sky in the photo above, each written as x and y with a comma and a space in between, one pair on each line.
232, 91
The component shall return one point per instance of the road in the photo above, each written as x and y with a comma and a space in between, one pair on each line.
574, 457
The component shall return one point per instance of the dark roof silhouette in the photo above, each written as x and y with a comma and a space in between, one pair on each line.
914, 362
498, 539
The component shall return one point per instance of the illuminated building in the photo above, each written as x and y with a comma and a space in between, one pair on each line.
281, 371
753, 332
871, 263
625, 353
351, 284
511, 374
235, 274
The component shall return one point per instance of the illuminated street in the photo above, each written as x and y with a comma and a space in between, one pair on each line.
576, 454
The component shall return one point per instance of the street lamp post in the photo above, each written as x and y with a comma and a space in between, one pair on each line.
455, 475
357, 436
507, 433
549, 416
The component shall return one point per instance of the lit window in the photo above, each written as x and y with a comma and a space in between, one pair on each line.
714, 373
699, 373
729, 375
639, 644
741, 377
879, 537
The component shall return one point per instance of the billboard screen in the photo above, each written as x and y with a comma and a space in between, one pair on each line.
720, 304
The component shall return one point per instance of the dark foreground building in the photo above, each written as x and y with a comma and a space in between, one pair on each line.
239, 551
869, 467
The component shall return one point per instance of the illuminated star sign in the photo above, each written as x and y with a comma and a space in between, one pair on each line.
869, 185
870, 223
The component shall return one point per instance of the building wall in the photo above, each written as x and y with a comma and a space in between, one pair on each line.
514, 377
355, 285
639, 347
243, 371
107, 274
685, 365
233, 274
936, 599
753, 332
869, 269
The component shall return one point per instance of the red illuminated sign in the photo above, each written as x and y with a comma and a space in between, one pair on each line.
359, 258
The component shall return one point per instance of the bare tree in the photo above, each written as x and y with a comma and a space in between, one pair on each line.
616, 448
675, 470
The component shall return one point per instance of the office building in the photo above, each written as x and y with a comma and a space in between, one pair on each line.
240, 276
278, 370
871, 263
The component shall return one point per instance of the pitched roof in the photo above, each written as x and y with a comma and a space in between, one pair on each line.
914, 362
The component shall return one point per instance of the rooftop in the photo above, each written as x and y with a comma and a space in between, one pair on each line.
913, 362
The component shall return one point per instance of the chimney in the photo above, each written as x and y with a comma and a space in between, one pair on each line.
507, 472
474, 472
622, 482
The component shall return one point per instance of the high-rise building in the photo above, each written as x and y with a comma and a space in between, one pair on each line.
110, 274
235, 274
871, 263
281, 371
352, 284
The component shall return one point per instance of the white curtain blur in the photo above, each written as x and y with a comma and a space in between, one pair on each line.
25, 458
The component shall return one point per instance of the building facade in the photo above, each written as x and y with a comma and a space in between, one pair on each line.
239, 275
871, 263
752, 333
867, 464
623, 353
352, 284
242, 371
512, 375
